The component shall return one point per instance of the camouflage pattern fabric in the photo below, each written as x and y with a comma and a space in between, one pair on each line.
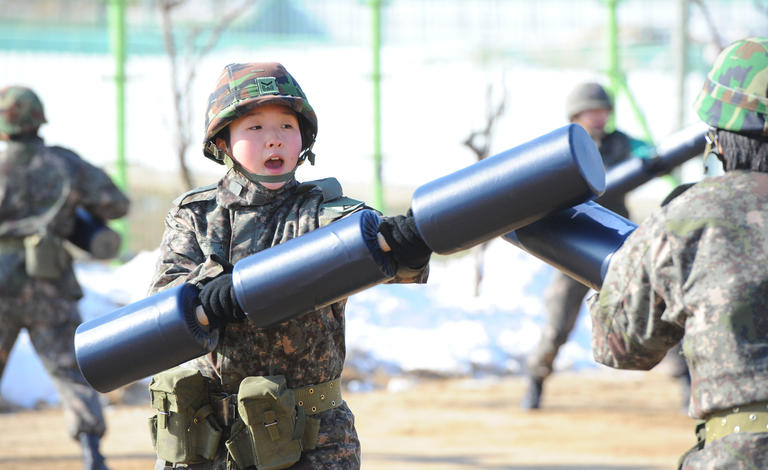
20, 110
735, 451
735, 93
51, 324
564, 295
242, 87
232, 221
40, 187
697, 270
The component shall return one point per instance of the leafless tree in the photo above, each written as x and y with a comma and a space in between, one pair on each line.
184, 59
479, 142
716, 39
761, 5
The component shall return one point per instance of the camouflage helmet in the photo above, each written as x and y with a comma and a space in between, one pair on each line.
587, 96
735, 93
242, 87
20, 110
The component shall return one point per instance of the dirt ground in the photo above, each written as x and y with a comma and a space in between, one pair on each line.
597, 420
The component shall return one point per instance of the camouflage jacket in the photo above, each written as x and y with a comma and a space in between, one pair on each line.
696, 270
237, 218
40, 188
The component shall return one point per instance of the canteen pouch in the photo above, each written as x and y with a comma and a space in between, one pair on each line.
269, 433
184, 430
45, 256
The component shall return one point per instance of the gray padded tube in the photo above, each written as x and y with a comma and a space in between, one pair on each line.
93, 236
672, 152
141, 339
578, 241
311, 271
509, 190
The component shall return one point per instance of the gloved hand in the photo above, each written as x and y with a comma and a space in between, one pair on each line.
218, 300
401, 234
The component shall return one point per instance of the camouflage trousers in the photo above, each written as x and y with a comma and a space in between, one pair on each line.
338, 447
562, 299
51, 324
739, 451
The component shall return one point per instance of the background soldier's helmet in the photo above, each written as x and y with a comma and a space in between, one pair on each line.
242, 87
735, 93
587, 96
20, 110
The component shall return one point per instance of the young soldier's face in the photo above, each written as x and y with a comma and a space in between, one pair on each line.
266, 141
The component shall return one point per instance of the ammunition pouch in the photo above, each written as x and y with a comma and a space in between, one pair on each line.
270, 424
184, 430
276, 424
45, 256
269, 433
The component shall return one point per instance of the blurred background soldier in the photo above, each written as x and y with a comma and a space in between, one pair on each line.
588, 105
40, 189
696, 270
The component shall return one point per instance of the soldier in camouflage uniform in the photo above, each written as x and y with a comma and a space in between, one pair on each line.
40, 188
260, 124
588, 105
697, 270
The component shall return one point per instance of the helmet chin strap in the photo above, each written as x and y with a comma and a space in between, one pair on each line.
256, 178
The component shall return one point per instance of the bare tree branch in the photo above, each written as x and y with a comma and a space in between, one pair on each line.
182, 141
716, 39
493, 113
184, 63
481, 150
760, 5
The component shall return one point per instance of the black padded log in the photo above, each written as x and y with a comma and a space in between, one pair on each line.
93, 235
672, 152
311, 271
578, 241
141, 339
509, 190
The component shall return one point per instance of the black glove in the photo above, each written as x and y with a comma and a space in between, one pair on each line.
401, 234
218, 300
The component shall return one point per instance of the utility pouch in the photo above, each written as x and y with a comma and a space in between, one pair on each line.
184, 430
269, 433
45, 256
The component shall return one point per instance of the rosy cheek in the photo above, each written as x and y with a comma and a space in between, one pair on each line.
244, 152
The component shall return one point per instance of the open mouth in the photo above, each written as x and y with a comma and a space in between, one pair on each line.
274, 164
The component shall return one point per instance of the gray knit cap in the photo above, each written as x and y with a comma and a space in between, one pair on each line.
587, 96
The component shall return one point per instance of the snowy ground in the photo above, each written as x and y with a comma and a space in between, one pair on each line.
440, 327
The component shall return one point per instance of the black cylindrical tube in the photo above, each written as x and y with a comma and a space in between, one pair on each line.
578, 241
508, 190
672, 152
93, 236
141, 339
311, 271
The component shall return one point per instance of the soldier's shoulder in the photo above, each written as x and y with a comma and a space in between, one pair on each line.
70, 156
343, 204
335, 204
329, 187
202, 193
64, 151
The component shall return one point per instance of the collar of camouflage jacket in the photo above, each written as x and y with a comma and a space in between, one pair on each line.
235, 190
